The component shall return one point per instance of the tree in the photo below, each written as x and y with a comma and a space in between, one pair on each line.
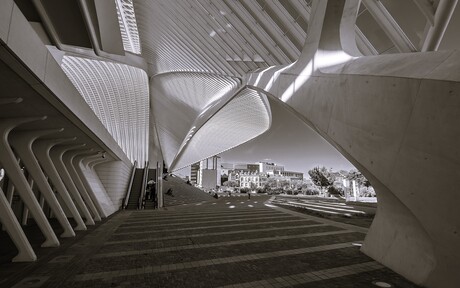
285, 184
231, 183
253, 186
321, 177
358, 177
271, 183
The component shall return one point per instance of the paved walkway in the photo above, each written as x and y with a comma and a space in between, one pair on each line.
229, 242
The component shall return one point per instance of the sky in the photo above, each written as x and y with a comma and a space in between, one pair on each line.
289, 142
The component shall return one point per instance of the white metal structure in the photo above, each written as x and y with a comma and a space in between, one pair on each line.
180, 80
119, 96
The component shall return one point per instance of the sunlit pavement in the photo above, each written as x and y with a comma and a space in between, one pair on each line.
328, 206
226, 242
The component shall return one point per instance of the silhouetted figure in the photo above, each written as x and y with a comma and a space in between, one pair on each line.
215, 196
249, 195
150, 189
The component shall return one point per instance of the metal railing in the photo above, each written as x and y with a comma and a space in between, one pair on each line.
144, 183
128, 193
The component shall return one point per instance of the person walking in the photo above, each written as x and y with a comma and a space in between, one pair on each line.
150, 189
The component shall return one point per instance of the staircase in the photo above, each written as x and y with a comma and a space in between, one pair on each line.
182, 193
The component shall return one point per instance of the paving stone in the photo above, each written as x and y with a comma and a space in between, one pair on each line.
211, 245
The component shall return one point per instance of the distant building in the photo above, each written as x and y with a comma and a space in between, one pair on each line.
245, 174
194, 171
246, 178
209, 173
208, 178
253, 167
270, 168
292, 175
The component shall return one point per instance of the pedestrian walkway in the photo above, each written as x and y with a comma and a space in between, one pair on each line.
228, 242
324, 206
239, 195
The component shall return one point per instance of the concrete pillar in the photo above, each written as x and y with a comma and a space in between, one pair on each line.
10, 192
41, 201
22, 142
78, 164
67, 159
10, 189
25, 212
12, 227
56, 155
42, 152
9, 162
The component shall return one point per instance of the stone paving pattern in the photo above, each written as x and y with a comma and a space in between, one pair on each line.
210, 244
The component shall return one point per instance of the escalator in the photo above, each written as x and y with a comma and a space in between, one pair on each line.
136, 188
150, 203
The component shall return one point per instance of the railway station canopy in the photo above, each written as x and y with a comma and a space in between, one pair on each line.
91, 89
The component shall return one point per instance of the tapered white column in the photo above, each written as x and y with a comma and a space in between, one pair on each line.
41, 201
41, 150
9, 162
10, 189
78, 164
9, 194
25, 212
56, 155
22, 143
67, 159
12, 227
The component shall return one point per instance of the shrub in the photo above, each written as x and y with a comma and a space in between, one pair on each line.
244, 190
312, 191
336, 191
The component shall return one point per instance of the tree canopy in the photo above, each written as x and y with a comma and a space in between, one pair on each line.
321, 177
359, 178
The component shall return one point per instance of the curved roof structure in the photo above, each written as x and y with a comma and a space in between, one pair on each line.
242, 118
119, 96
198, 52
177, 81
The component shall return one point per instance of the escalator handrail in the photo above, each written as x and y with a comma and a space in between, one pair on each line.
128, 193
144, 183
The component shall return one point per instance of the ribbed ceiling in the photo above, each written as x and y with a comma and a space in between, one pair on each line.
128, 26
220, 36
119, 96
233, 37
